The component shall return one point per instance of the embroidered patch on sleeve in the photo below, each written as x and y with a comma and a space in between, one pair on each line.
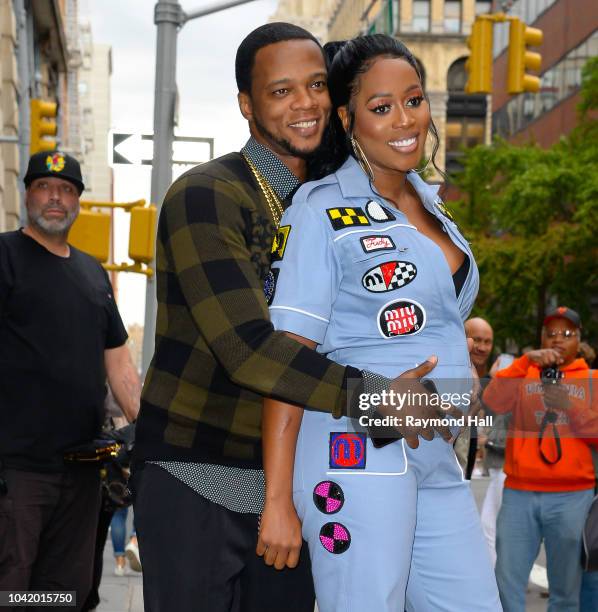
347, 451
335, 538
270, 285
279, 243
342, 218
328, 497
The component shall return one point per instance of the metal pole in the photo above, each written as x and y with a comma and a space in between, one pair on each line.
213, 8
168, 17
23, 98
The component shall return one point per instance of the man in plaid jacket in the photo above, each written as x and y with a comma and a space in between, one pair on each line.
198, 478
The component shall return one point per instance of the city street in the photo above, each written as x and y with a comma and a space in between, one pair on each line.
125, 594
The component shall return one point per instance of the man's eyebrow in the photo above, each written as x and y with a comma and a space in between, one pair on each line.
286, 80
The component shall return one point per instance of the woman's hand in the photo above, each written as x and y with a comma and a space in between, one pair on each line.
279, 539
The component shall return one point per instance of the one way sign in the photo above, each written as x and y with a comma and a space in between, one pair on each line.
130, 148
138, 149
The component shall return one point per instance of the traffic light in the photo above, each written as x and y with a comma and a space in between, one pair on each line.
90, 233
43, 123
142, 234
520, 59
479, 63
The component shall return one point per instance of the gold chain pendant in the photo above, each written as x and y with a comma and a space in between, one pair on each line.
274, 203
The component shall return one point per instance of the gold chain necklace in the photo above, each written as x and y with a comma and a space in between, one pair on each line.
274, 203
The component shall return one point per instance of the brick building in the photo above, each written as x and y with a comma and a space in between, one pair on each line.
570, 39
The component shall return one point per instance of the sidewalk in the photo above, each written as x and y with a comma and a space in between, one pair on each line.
119, 594
126, 594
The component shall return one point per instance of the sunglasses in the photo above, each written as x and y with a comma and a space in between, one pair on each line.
566, 333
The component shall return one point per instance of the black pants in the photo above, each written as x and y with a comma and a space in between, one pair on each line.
198, 556
93, 599
48, 531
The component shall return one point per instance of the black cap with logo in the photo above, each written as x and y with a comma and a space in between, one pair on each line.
562, 312
56, 164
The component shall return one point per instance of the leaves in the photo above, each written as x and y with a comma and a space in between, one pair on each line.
532, 216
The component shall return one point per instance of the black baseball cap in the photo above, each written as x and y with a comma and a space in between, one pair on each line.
56, 164
562, 312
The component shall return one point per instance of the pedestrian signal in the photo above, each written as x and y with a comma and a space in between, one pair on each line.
91, 234
142, 234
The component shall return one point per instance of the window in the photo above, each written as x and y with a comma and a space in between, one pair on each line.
452, 16
483, 7
457, 76
421, 15
557, 83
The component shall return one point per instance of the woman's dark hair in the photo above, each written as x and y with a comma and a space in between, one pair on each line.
263, 36
347, 61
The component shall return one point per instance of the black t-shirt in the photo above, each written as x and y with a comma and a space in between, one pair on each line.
57, 316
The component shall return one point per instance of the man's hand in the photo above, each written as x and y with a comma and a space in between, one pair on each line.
408, 385
279, 539
544, 357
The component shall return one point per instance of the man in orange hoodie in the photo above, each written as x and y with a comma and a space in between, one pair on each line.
548, 463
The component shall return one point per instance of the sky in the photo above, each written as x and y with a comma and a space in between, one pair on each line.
206, 86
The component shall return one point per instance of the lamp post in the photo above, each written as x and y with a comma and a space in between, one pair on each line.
169, 18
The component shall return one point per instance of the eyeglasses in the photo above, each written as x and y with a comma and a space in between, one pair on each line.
566, 333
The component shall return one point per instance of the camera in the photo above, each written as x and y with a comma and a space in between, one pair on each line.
551, 375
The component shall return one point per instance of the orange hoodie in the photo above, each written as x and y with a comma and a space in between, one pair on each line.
577, 427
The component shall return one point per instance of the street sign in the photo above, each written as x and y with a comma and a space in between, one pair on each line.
138, 149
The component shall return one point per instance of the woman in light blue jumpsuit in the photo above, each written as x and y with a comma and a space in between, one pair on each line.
391, 528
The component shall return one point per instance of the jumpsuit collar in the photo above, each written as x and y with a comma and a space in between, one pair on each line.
354, 183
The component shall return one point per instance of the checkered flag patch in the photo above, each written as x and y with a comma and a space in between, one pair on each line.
347, 217
403, 274
388, 276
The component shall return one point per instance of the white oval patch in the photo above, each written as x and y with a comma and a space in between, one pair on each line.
378, 213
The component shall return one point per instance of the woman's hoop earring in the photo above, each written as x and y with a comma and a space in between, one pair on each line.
424, 168
362, 159
426, 164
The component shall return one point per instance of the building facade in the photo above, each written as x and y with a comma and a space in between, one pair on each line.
570, 39
94, 98
313, 15
42, 48
9, 118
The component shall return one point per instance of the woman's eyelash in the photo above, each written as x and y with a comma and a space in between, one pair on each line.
416, 100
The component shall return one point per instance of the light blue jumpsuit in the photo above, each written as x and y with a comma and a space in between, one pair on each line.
388, 529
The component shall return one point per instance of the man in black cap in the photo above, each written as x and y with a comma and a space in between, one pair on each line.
550, 476
61, 338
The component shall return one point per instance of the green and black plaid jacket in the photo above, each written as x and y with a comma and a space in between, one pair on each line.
217, 353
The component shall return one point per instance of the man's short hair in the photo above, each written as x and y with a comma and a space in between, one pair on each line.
263, 36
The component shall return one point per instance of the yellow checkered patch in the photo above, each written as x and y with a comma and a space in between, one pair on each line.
347, 217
